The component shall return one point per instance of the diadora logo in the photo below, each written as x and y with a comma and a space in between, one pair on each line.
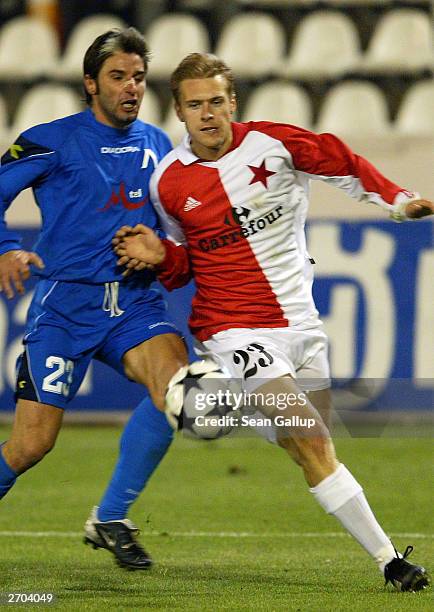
121, 198
148, 154
191, 203
118, 150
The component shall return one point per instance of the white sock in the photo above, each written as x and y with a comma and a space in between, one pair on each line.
341, 495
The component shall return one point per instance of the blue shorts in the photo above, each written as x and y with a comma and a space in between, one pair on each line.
68, 324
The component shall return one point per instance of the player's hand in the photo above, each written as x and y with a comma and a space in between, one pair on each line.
138, 248
125, 230
15, 269
131, 265
419, 208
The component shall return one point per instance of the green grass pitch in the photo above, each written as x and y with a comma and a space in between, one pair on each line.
230, 524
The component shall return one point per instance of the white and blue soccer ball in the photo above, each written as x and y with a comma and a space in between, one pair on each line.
200, 401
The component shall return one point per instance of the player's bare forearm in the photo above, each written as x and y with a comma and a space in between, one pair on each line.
15, 269
419, 208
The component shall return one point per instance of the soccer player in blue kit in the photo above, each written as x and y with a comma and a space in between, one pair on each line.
90, 173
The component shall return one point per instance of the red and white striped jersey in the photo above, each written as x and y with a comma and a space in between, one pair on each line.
241, 219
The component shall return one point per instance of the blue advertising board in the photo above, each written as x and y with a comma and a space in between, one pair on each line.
374, 288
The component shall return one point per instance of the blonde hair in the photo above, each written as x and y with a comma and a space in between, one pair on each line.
200, 66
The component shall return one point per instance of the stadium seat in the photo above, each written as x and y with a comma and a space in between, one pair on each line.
416, 112
172, 37
29, 49
173, 126
342, 4
252, 44
326, 45
45, 103
280, 102
196, 4
402, 42
150, 110
354, 108
3, 120
82, 36
276, 4
267, 4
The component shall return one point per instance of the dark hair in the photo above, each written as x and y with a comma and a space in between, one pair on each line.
200, 66
128, 40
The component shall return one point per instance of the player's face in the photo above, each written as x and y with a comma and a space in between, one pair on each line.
118, 90
206, 107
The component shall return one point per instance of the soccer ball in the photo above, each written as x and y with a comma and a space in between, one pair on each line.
200, 401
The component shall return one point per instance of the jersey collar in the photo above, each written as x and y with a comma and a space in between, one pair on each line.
107, 130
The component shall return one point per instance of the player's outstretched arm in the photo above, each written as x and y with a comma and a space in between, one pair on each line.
15, 269
138, 248
419, 208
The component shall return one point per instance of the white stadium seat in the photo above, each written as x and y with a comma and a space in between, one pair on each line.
252, 44
354, 108
196, 4
326, 45
342, 4
267, 4
280, 102
402, 42
29, 49
173, 126
81, 37
44, 103
150, 110
416, 113
172, 37
3, 120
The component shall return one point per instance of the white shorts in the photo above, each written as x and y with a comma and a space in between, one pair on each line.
254, 355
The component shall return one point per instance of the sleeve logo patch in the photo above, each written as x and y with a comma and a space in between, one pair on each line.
15, 151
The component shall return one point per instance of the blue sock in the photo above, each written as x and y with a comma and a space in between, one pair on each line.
7, 475
144, 442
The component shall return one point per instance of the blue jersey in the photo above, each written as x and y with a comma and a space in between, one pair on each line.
88, 180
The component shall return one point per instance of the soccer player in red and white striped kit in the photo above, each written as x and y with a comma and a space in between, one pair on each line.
233, 199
